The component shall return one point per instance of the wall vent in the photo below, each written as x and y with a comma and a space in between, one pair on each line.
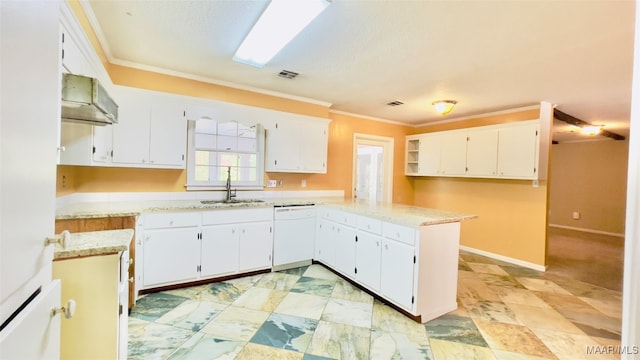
288, 74
395, 103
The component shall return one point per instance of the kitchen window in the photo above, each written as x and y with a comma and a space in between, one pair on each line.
215, 147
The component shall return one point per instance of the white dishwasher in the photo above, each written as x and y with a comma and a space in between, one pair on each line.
293, 235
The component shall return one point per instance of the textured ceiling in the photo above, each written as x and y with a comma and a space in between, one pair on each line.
359, 55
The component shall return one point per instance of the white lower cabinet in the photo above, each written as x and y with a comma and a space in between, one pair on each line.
345, 247
184, 247
220, 250
171, 255
414, 268
396, 272
325, 250
368, 260
256, 244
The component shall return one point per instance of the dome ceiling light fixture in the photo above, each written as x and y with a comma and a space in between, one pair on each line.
444, 106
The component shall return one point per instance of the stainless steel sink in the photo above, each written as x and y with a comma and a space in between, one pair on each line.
232, 201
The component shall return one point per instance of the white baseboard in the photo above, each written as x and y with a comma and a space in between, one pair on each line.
504, 258
593, 231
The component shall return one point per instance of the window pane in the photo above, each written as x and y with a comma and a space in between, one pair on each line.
228, 143
223, 173
245, 131
228, 129
202, 173
205, 158
247, 144
227, 159
205, 141
247, 160
247, 174
206, 126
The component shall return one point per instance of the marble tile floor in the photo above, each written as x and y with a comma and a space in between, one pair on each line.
505, 312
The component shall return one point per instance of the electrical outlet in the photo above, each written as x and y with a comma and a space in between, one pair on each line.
272, 184
280, 182
576, 215
303, 183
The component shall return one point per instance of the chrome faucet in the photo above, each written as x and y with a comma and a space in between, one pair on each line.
228, 186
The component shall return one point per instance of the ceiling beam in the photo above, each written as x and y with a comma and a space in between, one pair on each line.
580, 123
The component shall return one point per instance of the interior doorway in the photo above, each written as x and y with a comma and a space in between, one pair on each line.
373, 168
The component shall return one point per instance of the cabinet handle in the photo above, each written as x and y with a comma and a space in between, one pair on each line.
398, 235
63, 239
386, 246
68, 310
377, 243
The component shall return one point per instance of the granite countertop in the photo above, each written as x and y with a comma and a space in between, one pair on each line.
395, 213
406, 215
94, 243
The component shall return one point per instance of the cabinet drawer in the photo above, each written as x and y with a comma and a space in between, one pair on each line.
399, 233
341, 217
171, 220
370, 225
217, 217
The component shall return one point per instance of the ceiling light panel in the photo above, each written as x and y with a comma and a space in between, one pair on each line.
281, 21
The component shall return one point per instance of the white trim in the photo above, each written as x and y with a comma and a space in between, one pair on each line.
493, 113
593, 231
365, 117
388, 144
511, 260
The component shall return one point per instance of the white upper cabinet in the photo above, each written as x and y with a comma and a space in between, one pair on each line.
518, 151
453, 153
167, 132
297, 144
85, 144
508, 151
429, 157
152, 130
482, 149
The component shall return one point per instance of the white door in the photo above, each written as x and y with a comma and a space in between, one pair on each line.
256, 245
517, 151
429, 154
482, 153
171, 255
368, 260
373, 168
29, 134
220, 250
453, 153
167, 133
131, 134
345, 248
397, 267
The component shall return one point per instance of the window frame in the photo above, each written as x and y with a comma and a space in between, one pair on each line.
194, 185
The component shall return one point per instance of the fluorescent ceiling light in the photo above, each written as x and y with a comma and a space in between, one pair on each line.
281, 21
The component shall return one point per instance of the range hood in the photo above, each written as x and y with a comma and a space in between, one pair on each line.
85, 101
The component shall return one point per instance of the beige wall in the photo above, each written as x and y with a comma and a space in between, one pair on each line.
589, 177
512, 213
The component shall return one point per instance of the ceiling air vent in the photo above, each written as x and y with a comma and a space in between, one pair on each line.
395, 103
288, 74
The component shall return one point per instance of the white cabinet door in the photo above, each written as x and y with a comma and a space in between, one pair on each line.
171, 255
429, 154
345, 250
131, 133
73, 61
517, 155
313, 147
297, 145
282, 147
220, 252
397, 265
167, 133
368, 260
256, 245
102, 144
325, 242
453, 155
482, 152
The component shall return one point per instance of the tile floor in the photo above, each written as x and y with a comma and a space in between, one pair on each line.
505, 312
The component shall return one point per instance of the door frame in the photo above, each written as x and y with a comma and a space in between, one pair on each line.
387, 163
